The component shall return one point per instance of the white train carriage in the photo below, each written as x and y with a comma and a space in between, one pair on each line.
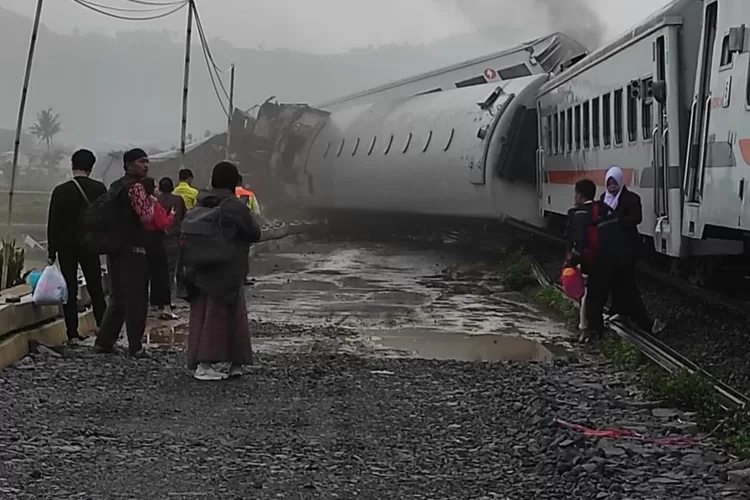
465, 153
542, 55
657, 102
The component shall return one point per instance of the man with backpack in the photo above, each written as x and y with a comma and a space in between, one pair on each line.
68, 202
115, 226
597, 244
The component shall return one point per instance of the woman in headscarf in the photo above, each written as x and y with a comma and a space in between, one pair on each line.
218, 316
626, 297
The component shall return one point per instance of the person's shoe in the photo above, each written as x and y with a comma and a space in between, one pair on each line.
585, 337
658, 326
141, 353
103, 350
74, 340
208, 374
168, 315
235, 371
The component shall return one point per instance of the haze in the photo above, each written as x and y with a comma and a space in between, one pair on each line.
451, 30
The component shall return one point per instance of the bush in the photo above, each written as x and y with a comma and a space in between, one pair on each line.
17, 261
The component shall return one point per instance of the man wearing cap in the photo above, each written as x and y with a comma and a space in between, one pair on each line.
128, 268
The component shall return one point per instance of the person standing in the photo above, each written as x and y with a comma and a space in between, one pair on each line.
66, 207
627, 207
156, 254
185, 188
218, 329
128, 266
172, 203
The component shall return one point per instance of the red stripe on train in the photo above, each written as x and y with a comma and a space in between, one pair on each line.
573, 176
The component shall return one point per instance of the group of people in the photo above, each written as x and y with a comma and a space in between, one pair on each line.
151, 215
603, 240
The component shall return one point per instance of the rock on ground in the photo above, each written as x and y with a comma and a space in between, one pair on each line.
335, 426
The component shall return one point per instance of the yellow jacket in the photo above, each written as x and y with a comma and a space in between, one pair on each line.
188, 193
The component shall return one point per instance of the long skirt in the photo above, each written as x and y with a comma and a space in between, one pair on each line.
218, 333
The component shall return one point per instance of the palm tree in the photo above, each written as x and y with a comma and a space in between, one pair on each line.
47, 126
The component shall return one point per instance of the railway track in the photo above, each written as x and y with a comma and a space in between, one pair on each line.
658, 352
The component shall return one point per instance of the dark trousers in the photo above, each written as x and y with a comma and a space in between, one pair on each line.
173, 256
128, 301
158, 270
69, 260
617, 281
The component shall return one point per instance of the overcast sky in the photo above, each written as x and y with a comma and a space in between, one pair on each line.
319, 26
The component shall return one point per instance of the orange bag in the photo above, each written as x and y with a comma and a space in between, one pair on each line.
572, 282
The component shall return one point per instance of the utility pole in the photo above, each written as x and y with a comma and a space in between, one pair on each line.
186, 80
231, 112
17, 144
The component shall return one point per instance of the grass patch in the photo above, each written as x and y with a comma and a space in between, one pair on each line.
518, 272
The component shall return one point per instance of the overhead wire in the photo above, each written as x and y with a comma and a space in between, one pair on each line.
125, 9
213, 70
163, 4
102, 9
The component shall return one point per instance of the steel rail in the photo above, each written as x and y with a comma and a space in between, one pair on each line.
657, 351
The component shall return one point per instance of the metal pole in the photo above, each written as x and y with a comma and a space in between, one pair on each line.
17, 143
231, 112
186, 81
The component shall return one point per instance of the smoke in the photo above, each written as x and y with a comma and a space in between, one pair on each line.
508, 21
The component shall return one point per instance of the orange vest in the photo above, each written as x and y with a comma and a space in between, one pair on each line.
241, 192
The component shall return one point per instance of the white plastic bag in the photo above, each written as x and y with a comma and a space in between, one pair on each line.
51, 289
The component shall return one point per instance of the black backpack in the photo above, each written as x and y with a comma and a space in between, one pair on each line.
606, 238
103, 229
204, 242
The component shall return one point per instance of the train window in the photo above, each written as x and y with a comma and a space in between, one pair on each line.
431, 91
341, 147
548, 135
517, 71
356, 146
450, 139
328, 148
727, 57
631, 114
607, 119
577, 126
586, 124
388, 146
477, 80
595, 122
618, 117
555, 133
569, 129
647, 108
561, 134
372, 145
406, 144
427, 142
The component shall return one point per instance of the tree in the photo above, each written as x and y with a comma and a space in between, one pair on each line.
47, 126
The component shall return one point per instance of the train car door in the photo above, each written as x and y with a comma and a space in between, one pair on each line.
700, 116
666, 97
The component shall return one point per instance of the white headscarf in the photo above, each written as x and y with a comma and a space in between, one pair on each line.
618, 176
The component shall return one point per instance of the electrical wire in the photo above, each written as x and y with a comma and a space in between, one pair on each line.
125, 9
213, 69
93, 7
202, 34
162, 4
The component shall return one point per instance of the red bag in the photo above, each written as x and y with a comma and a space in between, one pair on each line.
572, 282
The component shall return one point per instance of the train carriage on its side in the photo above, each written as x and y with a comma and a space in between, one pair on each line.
667, 102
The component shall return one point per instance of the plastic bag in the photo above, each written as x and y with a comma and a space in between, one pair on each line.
572, 282
51, 289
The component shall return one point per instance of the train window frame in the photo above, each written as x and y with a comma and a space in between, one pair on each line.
577, 124
596, 122
586, 119
555, 132
747, 88
328, 148
388, 146
725, 53
647, 109
561, 133
569, 130
450, 139
341, 148
356, 146
631, 116
372, 145
607, 120
407, 143
618, 116
427, 142
548, 135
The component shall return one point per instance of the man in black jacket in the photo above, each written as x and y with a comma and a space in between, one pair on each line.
66, 206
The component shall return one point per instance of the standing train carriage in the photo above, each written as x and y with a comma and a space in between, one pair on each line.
669, 102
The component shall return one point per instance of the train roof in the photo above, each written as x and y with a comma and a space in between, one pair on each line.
543, 54
672, 10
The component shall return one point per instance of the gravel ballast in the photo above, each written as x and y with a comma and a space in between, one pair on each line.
342, 426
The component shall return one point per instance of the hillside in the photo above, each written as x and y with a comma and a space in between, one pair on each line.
128, 88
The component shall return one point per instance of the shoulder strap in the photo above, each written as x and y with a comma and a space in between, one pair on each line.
80, 190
